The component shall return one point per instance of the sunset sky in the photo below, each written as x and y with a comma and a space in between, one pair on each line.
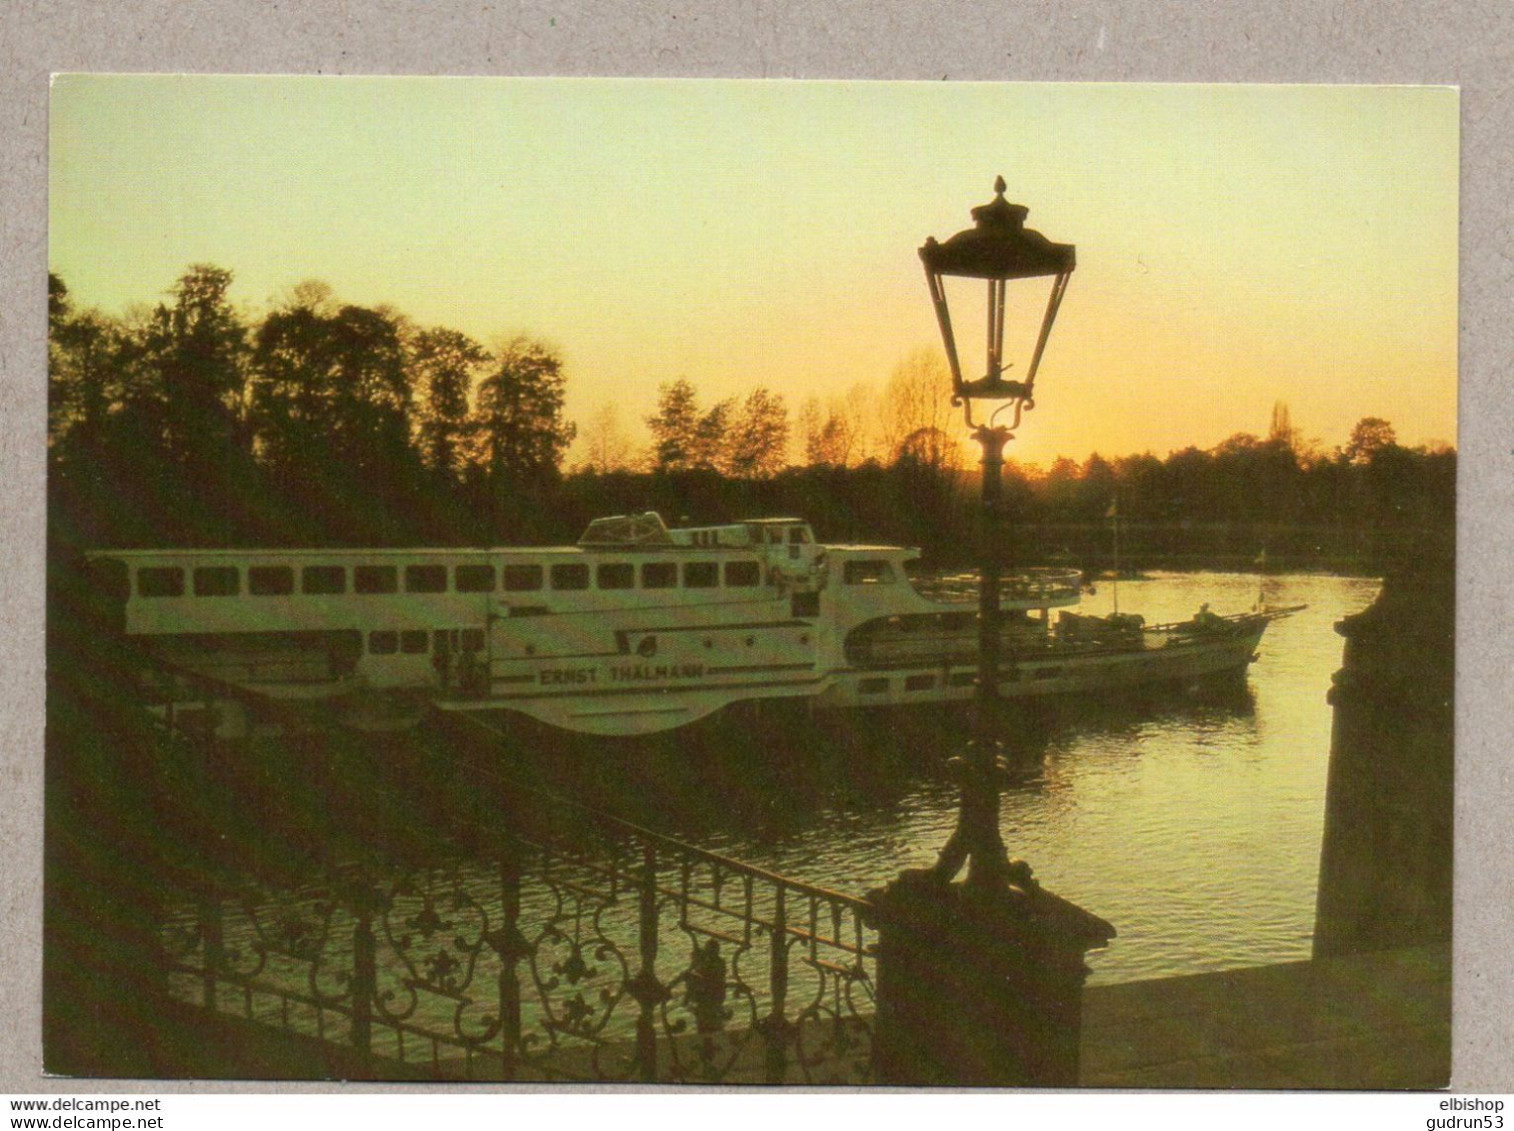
1236, 245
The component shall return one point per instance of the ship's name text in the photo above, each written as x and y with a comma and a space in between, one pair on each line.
621, 673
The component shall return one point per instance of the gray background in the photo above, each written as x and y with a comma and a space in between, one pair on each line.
1467, 44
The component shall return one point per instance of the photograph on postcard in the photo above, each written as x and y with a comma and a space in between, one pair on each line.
750, 582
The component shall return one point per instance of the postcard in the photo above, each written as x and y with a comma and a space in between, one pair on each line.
750, 582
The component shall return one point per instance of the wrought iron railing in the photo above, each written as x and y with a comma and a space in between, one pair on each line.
578, 947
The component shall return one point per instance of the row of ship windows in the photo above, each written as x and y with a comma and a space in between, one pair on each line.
279, 581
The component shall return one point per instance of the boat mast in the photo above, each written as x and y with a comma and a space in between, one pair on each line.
1114, 514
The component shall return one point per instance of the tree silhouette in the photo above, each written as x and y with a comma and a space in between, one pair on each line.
1139, 481
521, 432
917, 401
1059, 486
1281, 431
818, 434
446, 364
331, 414
183, 380
674, 426
1370, 436
371, 394
927, 487
1095, 489
759, 437
835, 436
293, 407
198, 348
82, 375
683, 437
606, 445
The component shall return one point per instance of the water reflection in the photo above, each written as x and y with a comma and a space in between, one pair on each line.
762, 775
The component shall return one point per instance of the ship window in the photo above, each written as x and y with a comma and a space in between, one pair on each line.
413, 641
374, 579
425, 579
217, 581
775, 535
570, 576
701, 575
383, 643
804, 605
616, 575
474, 578
473, 640
160, 581
521, 577
323, 579
743, 574
919, 682
270, 581
868, 572
799, 535
659, 575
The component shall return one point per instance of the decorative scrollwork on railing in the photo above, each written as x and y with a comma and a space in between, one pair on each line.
579, 970
601, 953
288, 928
437, 931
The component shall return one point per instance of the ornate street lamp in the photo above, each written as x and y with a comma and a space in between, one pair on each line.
981, 982
997, 249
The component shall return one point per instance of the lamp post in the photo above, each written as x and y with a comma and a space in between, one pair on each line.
981, 982
998, 249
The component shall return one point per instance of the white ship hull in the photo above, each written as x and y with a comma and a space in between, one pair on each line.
1090, 675
626, 637
616, 699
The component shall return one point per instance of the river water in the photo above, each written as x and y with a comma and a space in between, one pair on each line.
1192, 825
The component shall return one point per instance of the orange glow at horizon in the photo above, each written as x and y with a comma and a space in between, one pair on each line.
1237, 245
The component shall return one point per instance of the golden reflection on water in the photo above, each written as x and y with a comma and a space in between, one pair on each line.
1194, 827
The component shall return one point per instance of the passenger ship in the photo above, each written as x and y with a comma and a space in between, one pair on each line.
636, 629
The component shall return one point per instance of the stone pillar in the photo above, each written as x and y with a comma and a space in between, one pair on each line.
980, 987
1385, 863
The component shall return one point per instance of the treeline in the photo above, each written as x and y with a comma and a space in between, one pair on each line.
323, 423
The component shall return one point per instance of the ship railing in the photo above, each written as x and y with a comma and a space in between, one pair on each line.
1050, 585
1217, 624
575, 946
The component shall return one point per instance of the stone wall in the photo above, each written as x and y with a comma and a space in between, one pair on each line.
1386, 860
